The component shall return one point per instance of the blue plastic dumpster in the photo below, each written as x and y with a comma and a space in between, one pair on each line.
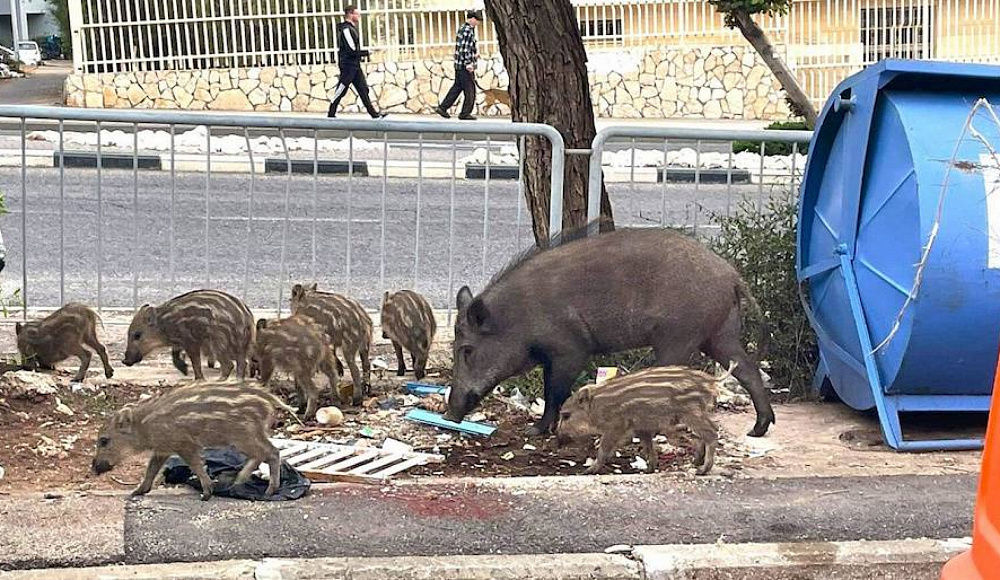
877, 163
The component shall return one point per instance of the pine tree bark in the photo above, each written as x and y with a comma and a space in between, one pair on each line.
545, 58
755, 35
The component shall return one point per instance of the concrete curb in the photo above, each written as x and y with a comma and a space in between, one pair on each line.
479, 567
889, 560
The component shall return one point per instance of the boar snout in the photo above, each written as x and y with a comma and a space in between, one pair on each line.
131, 358
100, 466
460, 403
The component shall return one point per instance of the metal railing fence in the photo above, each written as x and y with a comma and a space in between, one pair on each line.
683, 177
97, 223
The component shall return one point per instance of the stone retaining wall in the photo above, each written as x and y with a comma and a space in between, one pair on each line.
706, 82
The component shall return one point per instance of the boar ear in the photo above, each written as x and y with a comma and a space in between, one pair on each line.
17, 329
312, 288
262, 324
478, 314
385, 298
124, 420
585, 396
147, 314
464, 298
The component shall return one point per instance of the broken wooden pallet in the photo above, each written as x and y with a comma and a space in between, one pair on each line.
329, 462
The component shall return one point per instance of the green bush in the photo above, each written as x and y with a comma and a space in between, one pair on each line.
772, 147
761, 245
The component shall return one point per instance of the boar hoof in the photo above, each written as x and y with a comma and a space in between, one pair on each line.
109, 373
138, 492
760, 428
536, 430
400, 372
206, 495
592, 470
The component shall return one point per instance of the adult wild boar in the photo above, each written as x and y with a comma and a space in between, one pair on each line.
600, 295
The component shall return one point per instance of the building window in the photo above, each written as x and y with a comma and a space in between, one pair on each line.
600, 29
894, 32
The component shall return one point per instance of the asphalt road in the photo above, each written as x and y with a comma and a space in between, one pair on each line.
154, 229
42, 86
443, 519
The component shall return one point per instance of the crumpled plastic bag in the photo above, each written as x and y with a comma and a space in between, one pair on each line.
223, 464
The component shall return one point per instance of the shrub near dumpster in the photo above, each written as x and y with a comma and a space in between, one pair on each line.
761, 245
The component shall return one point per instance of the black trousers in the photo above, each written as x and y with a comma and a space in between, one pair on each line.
464, 83
351, 74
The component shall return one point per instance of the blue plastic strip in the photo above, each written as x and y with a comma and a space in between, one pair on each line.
424, 389
435, 419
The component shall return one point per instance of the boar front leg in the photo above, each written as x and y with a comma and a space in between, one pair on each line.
609, 444
152, 470
649, 450
559, 376
194, 353
197, 465
85, 357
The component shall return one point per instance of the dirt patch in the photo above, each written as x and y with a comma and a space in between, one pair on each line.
42, 448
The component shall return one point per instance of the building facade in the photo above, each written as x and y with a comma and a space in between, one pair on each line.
32, 20
647, 58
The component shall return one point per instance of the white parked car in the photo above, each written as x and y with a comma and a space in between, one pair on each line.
29, 53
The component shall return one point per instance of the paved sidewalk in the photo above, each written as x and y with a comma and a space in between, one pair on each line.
498, 516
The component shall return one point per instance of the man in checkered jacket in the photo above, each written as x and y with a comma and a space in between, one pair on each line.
466, 55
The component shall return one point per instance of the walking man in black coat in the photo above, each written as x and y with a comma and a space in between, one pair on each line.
349, 58
466, 55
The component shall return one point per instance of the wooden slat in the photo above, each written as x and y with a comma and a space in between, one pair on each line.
323, 477
349, 463
328, 460
411, 462
377, 464
309, 455
293, 450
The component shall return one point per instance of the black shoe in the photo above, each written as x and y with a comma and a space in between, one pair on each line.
380, 115
467, 117
442, 112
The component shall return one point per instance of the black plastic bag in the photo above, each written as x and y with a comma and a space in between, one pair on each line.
223, 464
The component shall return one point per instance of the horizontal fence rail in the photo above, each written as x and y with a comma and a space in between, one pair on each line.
681, 178
118, 208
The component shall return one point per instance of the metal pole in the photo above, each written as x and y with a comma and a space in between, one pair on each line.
100, 224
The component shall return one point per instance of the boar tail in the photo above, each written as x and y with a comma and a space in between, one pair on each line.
763, 334
278, 403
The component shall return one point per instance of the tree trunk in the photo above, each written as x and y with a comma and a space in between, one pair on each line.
800, 103
544, 55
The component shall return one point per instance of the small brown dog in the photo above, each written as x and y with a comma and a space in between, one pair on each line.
495, 97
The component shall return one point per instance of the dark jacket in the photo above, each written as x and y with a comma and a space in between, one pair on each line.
466, 52
349, 42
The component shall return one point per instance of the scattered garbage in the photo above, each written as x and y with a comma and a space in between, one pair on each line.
62, 408
640, 464
368, 432
350, 463
507, 456
518, 400
537, 408
437, 420
529, 447
331, 416
618, 549
395, 446
605, 374
2, 472
222, 466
